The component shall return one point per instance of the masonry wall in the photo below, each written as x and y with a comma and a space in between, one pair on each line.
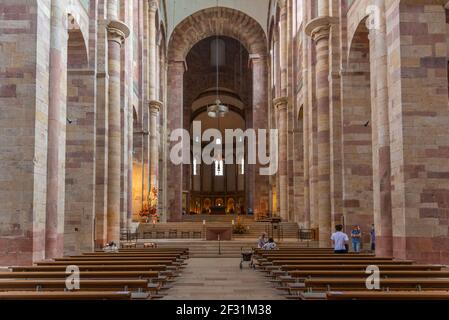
24, 48
419, 133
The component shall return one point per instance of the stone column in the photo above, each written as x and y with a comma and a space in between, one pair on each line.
54, 233
319, 30
381, 134
306, 128
259, 120
155, 107
152, 51
175, 104
117, 32
281, 105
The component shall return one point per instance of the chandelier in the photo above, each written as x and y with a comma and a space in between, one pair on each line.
217, 110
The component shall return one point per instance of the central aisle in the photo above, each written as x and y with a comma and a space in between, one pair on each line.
221, 279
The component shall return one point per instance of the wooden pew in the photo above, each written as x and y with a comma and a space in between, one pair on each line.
83, 275
106, 262
360, 274
144, 250
85, 285
390, 295
354, 284
82, 268
64, 295
365, 262
140, 271
321, 258
162, 254
362, 267
116, 258
296, 276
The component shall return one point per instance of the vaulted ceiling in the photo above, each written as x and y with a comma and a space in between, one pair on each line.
178, 10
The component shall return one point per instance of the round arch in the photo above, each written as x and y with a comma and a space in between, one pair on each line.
234, 24
227, 22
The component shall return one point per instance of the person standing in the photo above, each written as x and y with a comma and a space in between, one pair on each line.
373, 238
356, 238
339, 240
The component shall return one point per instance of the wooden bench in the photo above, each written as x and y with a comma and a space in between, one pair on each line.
106, 262
85, 285
56, 268
139, 272
348, 284
365, 262
296, 276
65, 295
359, 274
83, 275
321, 258
390, 295
169, 258
362, 267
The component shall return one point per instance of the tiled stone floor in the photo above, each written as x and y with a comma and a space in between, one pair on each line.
221, 279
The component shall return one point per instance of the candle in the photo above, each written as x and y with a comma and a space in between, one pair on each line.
204, 222
232, 222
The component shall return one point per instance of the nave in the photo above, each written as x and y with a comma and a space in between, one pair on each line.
293, 272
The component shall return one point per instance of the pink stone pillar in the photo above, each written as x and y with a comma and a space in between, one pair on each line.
381, 125
175, 104
281, 105
319, 30
54, 233
117, 32
155, 107
260, 202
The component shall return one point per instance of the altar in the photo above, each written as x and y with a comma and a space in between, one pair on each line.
219, 233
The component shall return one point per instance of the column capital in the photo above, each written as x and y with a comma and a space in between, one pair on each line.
155, 106
118, 31
280, 103
255, 57
282, 4
319, 28
153, 6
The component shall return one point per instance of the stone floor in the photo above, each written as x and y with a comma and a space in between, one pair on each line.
221, 279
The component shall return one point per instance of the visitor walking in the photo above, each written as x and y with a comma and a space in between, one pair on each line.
356, 238
339, 240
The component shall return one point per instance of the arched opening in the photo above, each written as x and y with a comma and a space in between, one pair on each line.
80, 145
217, 182
357, 136
236, 29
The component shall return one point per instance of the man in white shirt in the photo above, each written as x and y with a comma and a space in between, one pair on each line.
339, 240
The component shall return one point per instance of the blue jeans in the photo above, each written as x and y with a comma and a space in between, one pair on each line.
356, 245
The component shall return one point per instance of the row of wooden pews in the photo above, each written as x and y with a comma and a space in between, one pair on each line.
122, 275
308, 273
